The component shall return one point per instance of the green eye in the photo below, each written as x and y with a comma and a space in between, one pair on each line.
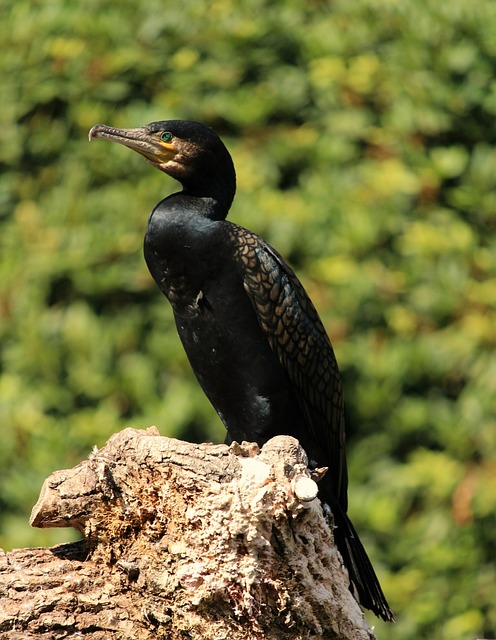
166, 136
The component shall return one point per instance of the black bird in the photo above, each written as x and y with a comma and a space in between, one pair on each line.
249, 329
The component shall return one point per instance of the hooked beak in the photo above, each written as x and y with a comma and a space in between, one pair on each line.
141, 140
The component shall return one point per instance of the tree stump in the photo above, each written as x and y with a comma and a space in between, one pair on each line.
182, 541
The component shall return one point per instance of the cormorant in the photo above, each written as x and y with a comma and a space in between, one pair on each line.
249, 329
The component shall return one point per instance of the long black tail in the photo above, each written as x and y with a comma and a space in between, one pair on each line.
362, 575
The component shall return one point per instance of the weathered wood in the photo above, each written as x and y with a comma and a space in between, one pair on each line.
181, 541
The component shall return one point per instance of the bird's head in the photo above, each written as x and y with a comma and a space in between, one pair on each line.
188, 151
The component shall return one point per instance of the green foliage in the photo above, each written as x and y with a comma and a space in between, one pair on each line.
363, 134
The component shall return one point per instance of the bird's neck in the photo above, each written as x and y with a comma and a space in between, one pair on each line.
183, 202
210, 199
210, 191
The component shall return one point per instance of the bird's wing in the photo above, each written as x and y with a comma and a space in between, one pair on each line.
296, 334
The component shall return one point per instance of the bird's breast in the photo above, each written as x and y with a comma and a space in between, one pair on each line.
178, 251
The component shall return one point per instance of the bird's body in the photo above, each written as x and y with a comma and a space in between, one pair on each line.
250, 331
212, 312
206, 270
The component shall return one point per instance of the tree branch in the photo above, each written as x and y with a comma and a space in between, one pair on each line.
182, 541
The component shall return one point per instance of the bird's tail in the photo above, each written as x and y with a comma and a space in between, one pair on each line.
364, 583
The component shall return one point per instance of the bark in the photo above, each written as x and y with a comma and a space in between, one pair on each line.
182, 541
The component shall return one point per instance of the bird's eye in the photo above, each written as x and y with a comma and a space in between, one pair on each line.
166, 136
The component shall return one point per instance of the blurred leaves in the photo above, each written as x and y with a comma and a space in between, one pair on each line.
364, 139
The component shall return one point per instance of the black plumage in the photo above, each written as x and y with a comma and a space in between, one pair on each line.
249, 329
